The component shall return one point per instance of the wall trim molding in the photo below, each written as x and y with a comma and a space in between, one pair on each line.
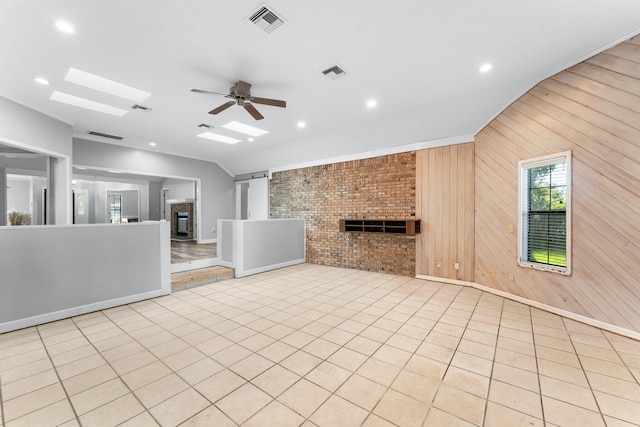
549, 308
441, 142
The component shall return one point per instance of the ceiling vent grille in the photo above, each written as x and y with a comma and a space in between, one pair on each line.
334, 72
266, 19
104, 135
141, 107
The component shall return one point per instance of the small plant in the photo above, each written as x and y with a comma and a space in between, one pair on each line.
18, 218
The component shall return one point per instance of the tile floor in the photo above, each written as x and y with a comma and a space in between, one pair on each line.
320, 346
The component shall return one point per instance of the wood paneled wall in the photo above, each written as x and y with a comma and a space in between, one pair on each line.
444, 193
592, 109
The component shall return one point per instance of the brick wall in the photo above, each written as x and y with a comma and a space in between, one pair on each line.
376, 188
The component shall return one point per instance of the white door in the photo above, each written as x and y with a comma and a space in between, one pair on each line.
252, 199
81, 206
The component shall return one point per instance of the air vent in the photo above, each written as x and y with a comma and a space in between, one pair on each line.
204, 125
141, 107
104, 135
266, 19
334, 72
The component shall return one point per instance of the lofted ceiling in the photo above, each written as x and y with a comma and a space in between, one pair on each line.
418, 58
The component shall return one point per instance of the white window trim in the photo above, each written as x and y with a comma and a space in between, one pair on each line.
523, 166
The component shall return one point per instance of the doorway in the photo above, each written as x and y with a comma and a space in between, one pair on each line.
81, 206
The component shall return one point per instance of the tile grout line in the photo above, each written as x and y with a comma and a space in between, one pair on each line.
584, 371
108, 363
44, 346
455, 351
493, 362
2, 412
535, 355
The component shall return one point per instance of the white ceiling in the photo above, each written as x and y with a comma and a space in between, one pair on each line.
418, 58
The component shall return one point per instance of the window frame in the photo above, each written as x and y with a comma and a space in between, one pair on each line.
523, 209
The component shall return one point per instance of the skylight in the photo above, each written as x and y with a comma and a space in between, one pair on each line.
246, 129
87, 103
219, 138
101, 84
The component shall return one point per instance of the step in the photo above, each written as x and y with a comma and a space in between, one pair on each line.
199, 277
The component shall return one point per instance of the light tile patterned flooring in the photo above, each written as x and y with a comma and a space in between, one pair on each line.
320, 346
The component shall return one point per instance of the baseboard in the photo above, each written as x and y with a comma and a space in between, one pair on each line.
206, 241
549, 308
268, 268
76, 311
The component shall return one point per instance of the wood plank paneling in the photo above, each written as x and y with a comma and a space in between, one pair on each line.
445, 205
592, 109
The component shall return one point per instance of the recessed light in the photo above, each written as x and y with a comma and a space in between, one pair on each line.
87, 103
41, 81
246, 129
302, 124
65, 27
250, 139
485, 67
101, 84
219, 138
371, 103
153, 144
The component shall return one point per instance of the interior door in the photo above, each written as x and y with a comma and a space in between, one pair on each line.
252, 199
81, 206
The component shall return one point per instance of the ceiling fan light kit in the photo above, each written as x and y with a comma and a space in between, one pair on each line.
241, 95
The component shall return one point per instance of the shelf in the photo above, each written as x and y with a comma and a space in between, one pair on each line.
408, 227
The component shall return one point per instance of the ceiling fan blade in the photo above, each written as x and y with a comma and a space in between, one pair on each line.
222, 107
252, 110
208, 91
243, 88
272, 102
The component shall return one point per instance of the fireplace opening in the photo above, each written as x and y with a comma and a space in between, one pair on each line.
182, 223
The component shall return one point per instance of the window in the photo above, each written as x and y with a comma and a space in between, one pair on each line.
545, 213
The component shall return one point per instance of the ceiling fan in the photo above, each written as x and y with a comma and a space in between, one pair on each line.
241, 95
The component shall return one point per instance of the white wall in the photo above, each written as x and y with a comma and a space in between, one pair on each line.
53, 272
215, 185
28, 129
252, 247
179, 188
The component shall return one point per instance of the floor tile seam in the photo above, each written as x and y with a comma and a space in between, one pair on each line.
25, 377
24, 352
228, 415
3, 344
493, 361
584, 371
30, 391
119, 376
2, 411
64, 389
440, 381
307, 418
636, 378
